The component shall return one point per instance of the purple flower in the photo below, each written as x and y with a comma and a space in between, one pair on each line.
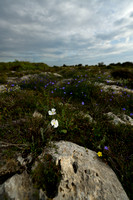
52, 91
106, 148
63, 88
131, 114
83, 103
12, 85
64, 92
101, 90
68, 83
71, 93
123, 108
110, 99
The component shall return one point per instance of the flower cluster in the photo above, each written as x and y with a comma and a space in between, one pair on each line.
54, 122
100, 153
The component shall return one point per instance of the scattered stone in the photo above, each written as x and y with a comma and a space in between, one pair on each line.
37, 115
63, 81
116, 120
116, 88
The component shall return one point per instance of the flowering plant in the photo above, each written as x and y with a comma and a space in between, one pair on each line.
52, 111
99, 154
53, 122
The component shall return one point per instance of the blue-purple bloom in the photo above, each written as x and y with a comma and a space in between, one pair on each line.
106, 148
131, 114
83, 103
123, 108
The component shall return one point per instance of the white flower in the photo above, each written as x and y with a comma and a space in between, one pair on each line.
52, 111
54, 123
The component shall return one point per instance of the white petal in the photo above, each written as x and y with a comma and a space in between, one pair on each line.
49, 112
53, 109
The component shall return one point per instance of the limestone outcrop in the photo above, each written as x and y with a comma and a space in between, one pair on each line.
84, 176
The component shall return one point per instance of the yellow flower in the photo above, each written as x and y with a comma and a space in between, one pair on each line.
99, 154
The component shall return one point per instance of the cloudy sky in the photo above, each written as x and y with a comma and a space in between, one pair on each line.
68, 32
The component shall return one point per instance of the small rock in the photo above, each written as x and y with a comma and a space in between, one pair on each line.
37, 115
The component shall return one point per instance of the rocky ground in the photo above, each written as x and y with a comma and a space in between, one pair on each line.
21, 161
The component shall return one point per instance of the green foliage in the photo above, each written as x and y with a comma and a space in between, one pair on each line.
123, 74
47, 176
3, 78
17, 124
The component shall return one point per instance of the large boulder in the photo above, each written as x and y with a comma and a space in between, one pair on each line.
84, 176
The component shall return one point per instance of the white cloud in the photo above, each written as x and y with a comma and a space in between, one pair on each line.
60, 31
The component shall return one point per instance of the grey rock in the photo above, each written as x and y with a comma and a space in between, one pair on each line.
19, 187
84, 176
116, 120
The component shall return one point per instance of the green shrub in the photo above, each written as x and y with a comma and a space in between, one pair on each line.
123, 74
47, 176
3, 79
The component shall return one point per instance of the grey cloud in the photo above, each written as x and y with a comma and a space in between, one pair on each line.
60, 30
106, 36
131, 14
120, 21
